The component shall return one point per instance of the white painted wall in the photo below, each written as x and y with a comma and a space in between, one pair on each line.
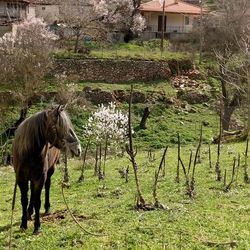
175, 22
49, 13
31, 13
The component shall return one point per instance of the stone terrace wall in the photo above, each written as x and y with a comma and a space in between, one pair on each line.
112, 70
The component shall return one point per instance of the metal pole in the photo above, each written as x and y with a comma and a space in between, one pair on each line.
201, 30
162, 25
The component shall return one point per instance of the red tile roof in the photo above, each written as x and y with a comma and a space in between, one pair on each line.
16, 1
171, 6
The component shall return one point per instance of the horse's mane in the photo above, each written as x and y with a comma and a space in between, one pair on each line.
31, 132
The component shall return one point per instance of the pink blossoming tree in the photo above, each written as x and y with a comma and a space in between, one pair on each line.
120, 15
25, 59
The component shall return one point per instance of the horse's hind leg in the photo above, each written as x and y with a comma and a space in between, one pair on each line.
23, 185
31, 204
37, 204
47, 189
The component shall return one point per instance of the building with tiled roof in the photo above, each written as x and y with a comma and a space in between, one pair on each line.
179, 18
12, 11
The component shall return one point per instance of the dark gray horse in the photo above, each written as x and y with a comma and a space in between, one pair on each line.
36, 147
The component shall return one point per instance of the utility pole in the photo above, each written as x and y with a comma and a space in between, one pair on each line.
162, 24
201, 30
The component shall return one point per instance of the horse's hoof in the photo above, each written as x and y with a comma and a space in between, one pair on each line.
37, 231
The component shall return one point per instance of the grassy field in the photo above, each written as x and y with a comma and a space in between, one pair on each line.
149, 50
211, 220
164, 122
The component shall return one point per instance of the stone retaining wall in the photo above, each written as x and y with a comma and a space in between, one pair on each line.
108, 70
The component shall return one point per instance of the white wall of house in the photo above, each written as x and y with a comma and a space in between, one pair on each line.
49, 13
31, 13
175, 22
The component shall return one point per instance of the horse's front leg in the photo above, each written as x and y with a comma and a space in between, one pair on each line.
23, 185
37, 204
47, 190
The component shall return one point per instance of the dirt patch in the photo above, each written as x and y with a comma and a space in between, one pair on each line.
98, 96
61, 214
56, 216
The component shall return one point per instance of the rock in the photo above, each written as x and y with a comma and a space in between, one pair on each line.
98, 96
192, 96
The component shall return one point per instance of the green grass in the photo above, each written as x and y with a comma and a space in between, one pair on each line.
164, 122
212, 216
162, 86
141, 53
147, 51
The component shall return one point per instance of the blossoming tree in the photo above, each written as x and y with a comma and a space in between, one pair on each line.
122, 15
80, 20
107, 125
97, 17
25, 54
25, 59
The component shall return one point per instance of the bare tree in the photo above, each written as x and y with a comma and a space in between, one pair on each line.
226, 30
80, 19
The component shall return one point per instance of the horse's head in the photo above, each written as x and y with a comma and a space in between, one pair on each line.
60, 132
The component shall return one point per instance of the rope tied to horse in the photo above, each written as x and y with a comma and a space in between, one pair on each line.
65, 183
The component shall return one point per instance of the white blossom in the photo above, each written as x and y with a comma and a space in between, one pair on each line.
107, 123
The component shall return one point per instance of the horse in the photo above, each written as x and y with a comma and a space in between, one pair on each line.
36, 148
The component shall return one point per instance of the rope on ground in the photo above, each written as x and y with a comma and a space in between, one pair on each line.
12, 214
65, 184
74, 218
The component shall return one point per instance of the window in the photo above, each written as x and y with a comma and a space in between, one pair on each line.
187, 20
43, 8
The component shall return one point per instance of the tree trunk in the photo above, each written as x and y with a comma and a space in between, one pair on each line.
227, 114
77, 40
229, 103
146, 113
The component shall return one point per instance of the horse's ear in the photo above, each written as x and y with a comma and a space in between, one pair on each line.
64, 106
58, 109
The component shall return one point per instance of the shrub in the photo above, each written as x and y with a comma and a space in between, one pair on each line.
156, 43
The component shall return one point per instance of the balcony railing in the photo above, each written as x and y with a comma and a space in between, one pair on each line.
170, 29
11, 13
